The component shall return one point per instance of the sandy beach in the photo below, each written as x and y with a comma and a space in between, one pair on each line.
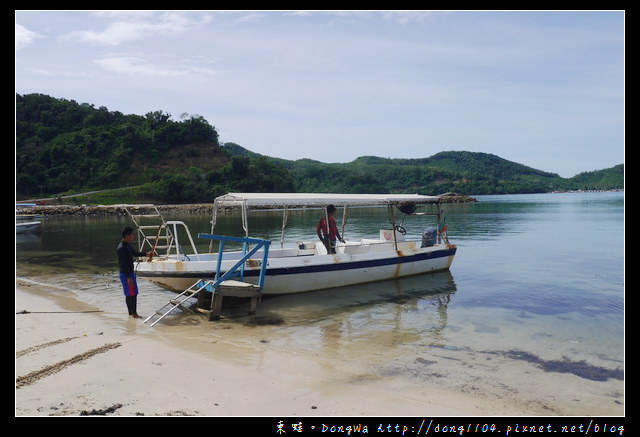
73, 359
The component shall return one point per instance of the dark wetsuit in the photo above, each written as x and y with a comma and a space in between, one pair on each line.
127, 275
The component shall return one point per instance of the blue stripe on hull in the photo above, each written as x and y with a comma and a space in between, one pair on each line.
352, 265
333, 267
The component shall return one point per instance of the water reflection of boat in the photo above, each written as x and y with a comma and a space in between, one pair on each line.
308, 265
383, 315
437, 286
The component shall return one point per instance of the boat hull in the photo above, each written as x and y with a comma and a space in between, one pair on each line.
296, 274
24, 227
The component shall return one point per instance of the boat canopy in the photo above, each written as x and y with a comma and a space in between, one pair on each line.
288, 200
246, 201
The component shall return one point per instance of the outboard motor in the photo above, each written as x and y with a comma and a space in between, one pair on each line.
429, 236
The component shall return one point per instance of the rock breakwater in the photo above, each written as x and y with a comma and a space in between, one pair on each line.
456, 198
195, 208
116, 210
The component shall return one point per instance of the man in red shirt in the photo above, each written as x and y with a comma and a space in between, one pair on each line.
329, 238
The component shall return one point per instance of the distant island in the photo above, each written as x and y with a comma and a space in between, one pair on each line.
65, 147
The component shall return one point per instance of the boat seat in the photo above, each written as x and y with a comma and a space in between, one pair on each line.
282, 253
321, 249
306, 247
373, 241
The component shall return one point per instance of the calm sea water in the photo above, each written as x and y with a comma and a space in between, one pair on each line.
531, 311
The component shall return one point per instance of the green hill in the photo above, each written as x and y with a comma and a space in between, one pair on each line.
64, 147
461, 172
607, 179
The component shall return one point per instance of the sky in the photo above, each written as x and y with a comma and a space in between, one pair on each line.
540, 88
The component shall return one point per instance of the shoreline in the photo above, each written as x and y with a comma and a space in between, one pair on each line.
47, 209
77, 360
112, 210
56, 208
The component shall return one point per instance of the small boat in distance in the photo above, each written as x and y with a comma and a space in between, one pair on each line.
26, 222
306, 265
24, 227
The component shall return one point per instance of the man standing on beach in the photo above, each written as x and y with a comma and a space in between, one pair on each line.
127, 274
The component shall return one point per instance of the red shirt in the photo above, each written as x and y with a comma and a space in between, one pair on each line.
322, 226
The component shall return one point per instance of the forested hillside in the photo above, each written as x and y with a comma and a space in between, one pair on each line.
461, 172
63, 146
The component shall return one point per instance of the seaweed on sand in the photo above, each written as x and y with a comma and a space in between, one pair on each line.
578, 368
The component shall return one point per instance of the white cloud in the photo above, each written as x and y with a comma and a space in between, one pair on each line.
407, 17
525, 86
25, 37
250, 18
300, 13
133, 27
140, 66
131, 65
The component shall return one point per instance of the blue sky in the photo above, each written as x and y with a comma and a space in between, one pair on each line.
541, 88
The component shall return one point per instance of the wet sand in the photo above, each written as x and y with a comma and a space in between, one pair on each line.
73, 359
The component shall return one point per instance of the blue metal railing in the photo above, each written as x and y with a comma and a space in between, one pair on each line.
232, 272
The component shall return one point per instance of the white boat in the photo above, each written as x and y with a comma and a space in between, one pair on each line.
24, 227
26, 222
307, 265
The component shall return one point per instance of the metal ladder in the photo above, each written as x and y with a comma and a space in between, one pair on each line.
152, 228
177, 302
222, 285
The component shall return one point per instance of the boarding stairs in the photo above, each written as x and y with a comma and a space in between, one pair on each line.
179, 300
152, 228
223, 284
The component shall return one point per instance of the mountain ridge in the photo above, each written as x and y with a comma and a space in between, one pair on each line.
63, 147
456, 167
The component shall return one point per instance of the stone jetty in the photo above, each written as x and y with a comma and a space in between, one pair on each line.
456, 198
192, 208
116, 210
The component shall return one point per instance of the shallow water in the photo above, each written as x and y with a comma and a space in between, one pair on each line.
532, 310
